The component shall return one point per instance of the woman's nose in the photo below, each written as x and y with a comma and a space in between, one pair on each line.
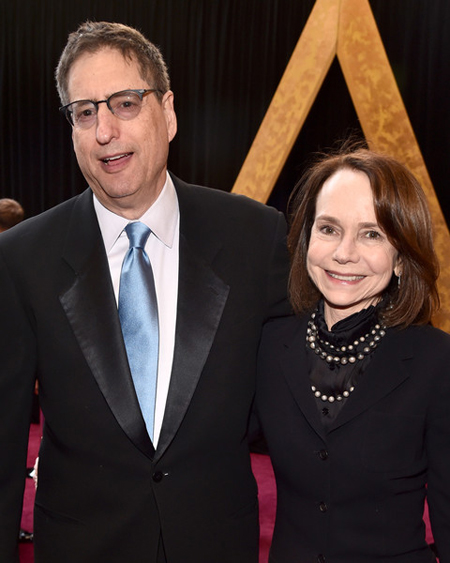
346, 250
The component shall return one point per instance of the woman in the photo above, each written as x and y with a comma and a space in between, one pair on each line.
354, 390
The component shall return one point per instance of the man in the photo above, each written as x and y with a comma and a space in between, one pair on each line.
11, 213
112, 486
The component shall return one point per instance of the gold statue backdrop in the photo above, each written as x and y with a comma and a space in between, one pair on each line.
346, 29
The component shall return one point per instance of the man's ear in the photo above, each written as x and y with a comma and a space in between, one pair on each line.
169, 113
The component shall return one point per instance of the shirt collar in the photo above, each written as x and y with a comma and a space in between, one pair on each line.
161, 218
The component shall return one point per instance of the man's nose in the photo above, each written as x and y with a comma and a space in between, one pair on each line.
107, 126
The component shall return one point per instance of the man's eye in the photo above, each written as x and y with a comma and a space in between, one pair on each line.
83, 113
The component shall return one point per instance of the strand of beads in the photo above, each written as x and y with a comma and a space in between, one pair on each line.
351, 353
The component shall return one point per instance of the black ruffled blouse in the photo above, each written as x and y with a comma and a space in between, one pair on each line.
333, 378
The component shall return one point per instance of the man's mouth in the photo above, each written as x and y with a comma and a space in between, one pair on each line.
340, 277
109, 159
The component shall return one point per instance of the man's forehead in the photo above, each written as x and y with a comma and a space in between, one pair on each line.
128, 57
102, 73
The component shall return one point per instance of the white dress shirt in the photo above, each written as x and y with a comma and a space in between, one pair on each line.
162, 247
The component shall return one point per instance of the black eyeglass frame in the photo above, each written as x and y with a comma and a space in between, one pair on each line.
140, 92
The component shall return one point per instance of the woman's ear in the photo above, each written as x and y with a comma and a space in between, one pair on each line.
398, 267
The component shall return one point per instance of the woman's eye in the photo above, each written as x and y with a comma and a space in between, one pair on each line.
373, 234
327, 230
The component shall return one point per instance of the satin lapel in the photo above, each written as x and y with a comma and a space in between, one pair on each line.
201, 299
202, 296
91, 309
386, 371
295, 365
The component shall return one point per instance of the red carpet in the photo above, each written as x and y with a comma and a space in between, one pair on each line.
26, 549
262, 469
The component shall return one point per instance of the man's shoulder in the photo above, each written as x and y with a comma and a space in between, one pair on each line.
46, 225
206, 198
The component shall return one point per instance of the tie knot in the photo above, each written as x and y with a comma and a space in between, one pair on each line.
138, 234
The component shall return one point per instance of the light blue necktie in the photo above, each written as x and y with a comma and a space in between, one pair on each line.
138, 312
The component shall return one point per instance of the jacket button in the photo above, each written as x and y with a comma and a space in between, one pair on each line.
323, 507
157, 476
323, 454
321, 558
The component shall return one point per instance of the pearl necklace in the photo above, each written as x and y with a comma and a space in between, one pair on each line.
342, 355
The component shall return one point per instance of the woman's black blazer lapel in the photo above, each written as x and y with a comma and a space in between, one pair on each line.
387, 370
294, 365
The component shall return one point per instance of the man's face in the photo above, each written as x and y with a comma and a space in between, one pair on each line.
124, 162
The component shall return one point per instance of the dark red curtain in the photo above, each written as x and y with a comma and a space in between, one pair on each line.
226, 58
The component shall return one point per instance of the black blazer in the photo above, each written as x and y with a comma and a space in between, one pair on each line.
355, 494
104, 493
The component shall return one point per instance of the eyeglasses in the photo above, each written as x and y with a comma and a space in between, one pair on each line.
124, 105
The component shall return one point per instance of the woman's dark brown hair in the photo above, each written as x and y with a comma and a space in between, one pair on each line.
402, 213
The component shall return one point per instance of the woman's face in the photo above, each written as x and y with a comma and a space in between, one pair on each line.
350, 259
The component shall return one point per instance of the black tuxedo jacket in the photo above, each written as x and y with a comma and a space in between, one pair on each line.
104, 493
355, 493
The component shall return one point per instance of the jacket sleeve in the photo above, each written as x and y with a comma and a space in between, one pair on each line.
17, 376
438, 451
277, 301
